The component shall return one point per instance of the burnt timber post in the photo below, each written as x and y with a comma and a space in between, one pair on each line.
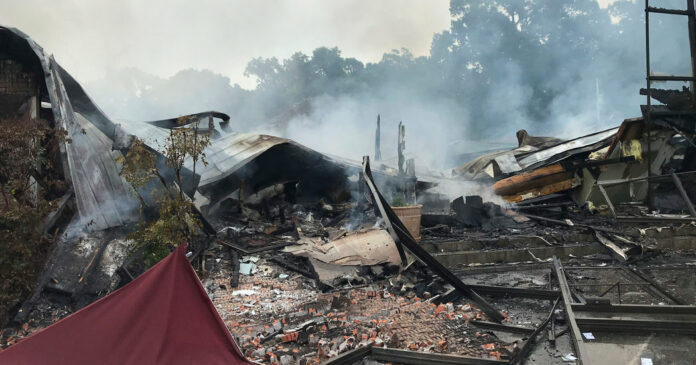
378, 151
401, 146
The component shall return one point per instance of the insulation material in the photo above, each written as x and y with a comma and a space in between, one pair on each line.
598, 155
632, 148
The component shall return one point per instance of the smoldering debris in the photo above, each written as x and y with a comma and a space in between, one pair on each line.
311, 258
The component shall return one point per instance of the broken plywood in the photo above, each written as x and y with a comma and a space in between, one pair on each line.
541, 191
366, 247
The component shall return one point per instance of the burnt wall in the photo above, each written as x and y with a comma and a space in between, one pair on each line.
16, 86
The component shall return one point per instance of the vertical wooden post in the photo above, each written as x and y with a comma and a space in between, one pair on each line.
692, 46
378, 150
401, 146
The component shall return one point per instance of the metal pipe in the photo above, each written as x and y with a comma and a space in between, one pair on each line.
648, 121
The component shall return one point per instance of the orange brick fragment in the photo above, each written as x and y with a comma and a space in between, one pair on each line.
292, 336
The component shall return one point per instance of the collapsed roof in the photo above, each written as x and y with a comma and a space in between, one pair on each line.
89, 161
529, 156
102, 196
240, 164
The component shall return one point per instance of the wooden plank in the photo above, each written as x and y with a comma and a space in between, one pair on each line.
606, 198
53, 216
685, 196
533, 179
541, 191
616, 251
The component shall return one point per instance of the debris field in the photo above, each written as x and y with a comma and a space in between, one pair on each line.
578, 250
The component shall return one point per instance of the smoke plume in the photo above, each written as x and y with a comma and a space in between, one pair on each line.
555, 68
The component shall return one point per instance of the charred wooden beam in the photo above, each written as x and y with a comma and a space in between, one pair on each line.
378, 135
502, 291
607, 200
403, 237
527, 347
56, 214
684, 195
668, 11
401, 146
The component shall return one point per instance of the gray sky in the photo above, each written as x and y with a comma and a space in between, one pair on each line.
90, 37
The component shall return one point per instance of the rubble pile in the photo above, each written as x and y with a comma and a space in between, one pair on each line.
276, 316
553, 251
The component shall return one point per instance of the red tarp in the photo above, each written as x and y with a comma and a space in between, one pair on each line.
162, 317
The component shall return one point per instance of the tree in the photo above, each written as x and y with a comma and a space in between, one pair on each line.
28, 185
177, 220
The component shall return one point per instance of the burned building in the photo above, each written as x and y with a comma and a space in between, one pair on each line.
582, 251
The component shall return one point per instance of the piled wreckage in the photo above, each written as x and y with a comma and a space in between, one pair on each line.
306, 261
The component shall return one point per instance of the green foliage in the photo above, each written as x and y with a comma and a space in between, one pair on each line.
22, 253
398, 201
177, 223
25, 184
183, 142
177, 220
138, 165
